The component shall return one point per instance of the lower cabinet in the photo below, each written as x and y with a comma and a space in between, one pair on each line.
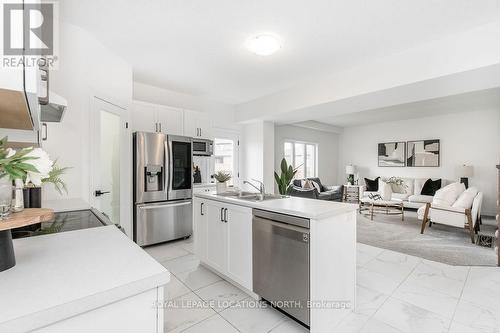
223, 239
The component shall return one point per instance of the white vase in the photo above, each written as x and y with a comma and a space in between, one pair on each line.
221, 187
5, 196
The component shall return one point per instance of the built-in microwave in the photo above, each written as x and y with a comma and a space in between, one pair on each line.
203, 147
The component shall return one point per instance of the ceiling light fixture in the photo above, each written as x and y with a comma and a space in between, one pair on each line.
263, 45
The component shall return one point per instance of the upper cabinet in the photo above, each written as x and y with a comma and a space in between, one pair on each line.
170, 120
148, 117
197, 124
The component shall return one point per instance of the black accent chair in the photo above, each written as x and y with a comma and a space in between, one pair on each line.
328, 192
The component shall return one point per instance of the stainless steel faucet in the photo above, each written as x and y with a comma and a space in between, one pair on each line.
262, 188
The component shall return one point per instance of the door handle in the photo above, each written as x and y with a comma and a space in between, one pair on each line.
201, 209
225, 215
98, 193
44, 137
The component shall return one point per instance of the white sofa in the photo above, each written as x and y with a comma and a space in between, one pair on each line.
409, 194
461, 209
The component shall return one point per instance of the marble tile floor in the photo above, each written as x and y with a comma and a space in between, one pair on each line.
395, 293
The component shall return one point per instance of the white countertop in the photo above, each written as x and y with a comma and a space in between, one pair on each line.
204, 185
307, 208
61, 275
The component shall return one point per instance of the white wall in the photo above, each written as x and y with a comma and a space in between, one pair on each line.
471, 138
257, 154
223, 114
86, 69
328, 149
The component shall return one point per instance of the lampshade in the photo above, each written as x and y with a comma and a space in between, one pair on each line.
465, 171
350, 169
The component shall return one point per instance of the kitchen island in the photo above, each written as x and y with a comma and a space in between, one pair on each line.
232, 239
89, 280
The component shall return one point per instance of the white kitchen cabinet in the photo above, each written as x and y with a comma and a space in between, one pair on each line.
216, 236
239, 245
170, 120
197, 125
223, 239
147, 117
144, 117
200, 228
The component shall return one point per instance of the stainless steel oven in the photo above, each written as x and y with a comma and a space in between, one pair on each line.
281, 262
203, 147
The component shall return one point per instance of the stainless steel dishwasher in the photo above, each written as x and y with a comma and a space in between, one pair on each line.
281, 262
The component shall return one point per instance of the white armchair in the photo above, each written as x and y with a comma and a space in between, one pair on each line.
468, 218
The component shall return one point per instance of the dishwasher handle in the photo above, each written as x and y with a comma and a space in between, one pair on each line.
286, 230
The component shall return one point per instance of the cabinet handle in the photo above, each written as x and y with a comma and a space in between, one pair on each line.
156, 127
200, 132
225, 215
159, 124
221, 214
201, 209
44, 137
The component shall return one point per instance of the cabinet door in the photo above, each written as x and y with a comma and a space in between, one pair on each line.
170, 120
205, 125
200, 228
191, 124
144, 117
216, 237
239, 245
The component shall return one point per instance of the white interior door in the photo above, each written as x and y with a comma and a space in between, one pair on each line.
107, 147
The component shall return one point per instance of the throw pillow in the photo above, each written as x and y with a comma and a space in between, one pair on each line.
316, 185
430, 187
466, 199
385, 190
372, 185
448, 194
307, 185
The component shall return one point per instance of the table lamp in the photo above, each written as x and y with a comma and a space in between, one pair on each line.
350, 170
464, 172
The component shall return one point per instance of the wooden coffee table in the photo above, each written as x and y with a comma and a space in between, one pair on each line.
370, 207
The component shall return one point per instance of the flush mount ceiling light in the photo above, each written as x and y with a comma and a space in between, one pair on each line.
263, 45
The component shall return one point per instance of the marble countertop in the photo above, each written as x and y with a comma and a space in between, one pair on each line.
307, 208
61, 275
203, 184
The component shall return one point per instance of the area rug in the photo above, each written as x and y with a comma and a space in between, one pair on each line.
439, 243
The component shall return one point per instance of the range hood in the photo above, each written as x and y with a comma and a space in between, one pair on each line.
22, 110
53, 111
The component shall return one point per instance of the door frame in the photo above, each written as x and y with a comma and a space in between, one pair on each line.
224, 133
96, 103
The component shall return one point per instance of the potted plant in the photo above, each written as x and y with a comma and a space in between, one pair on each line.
284, 180
29, 166
222, 177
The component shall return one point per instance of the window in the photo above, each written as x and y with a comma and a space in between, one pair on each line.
224, 157
303, 156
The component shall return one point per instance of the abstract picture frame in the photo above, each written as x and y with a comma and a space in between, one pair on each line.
423, 153
392, 154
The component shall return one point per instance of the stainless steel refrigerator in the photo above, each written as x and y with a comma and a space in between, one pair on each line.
162, 187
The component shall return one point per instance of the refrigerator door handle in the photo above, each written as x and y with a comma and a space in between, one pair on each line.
155, 206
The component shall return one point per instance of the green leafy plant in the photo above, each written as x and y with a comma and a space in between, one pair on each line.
55, 178
285, 179
222, 176
31, 165
14, 164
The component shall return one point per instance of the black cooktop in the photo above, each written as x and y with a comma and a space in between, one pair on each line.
64, 221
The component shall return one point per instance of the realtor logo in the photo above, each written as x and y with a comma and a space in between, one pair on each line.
28, 29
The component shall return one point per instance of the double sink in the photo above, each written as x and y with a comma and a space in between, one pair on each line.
250, 196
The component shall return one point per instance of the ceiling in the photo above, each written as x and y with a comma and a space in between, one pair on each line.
197, 46
467, 102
